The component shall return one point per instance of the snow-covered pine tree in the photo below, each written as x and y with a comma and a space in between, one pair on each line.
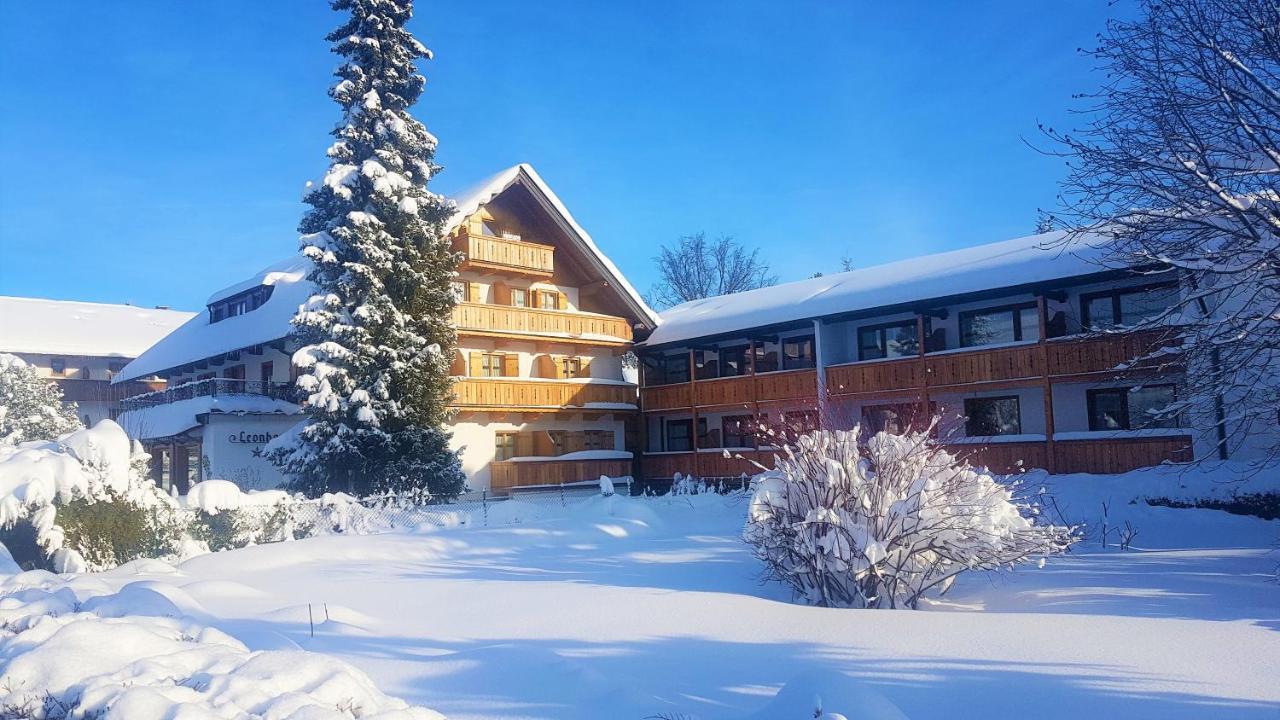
376, 337
31, 407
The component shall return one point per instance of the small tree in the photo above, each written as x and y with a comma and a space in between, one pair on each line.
376, 336
881, 523
697, 268
1178, 165
31, 407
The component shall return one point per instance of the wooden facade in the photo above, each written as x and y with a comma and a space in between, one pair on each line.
484, 252
585, 328
523, 395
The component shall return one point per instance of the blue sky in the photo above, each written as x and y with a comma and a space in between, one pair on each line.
156, 151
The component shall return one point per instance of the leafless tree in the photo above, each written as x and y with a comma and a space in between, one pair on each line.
1176, 165
697, 268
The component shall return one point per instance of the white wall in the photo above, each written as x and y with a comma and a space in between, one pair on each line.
233, 445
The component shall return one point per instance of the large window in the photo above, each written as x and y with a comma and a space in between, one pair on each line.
680, 434
992, 416
1126, 306
739, 431
896, 418
504, 446
797, 353
765, 360
676, 368
733, 361
1131, 408
889, 341
240, 304
999, 325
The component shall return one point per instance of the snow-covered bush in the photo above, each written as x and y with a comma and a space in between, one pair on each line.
883, 522
31, 407
86, 499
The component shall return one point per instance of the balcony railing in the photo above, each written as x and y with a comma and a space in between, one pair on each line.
587, 327
76, 390
540, 395
212, 387
504, 476
486, 251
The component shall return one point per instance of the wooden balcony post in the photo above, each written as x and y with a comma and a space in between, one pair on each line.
1042, 312
693, 408
925, 417
755, 391
820, 377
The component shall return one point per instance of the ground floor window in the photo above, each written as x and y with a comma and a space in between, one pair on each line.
896, 418
680, 434
992, 416
739, 431
504, 446
597, 440
1132, 408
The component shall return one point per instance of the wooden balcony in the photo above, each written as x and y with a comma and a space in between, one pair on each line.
1117, 455
734, 391
78, 390
527, 395
506, 475
667, 397
877, 376
1103, 353
708, 464
486, 252
586, 328
976, 365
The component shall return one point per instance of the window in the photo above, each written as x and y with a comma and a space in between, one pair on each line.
992, 416
679, 434
889, 341
240, 303
765, 360
800, 421
549, 300
738, 431
707, 437
559, 441
706, 364
570, 367
677, 368
999, 325
733, 361
265, 372
234, 372
519, 297
888, 418
1131, 408
797, 352
490, 365
1126, 306
597, 440
58, 366
504, 446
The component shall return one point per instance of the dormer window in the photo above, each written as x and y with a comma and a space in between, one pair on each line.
240, 303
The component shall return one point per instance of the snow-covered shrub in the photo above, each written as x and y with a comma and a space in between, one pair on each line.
880, 523
31, 407
56, 488
223, 517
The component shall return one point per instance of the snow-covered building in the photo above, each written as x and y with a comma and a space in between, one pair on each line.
1015, 345
542, 395
82, 346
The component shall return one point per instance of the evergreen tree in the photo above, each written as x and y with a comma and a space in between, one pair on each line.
31, 407
376, 337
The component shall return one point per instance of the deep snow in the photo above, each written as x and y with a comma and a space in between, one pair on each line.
626, 608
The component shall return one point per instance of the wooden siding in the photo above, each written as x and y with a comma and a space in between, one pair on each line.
479, 317
536, 395
1003, 457
505, 475
1117, 455
485, 251
76, 390
1100, 354
724, 391
787, 385
666, 397
977, 365
878, 376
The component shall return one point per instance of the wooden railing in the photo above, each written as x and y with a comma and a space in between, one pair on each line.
480, 317
503, 476
1104, 353
492, 393
77, 390
977, 365
740, 390
666, 397
496, 252
1103, 455
879, 376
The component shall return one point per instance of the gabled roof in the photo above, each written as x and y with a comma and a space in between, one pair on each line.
68, 327
199, 339
1008, 264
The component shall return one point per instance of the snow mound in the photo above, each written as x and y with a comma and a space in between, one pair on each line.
137, 654
214, 496
828, 695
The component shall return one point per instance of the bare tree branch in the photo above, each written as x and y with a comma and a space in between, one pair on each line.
697, 268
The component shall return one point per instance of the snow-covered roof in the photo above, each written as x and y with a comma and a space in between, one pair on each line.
68, 327
1010, 263
168, 419
199, 339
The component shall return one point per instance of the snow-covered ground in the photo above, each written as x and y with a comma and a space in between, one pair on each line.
629, 608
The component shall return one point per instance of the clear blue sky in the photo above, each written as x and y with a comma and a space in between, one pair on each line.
155, 151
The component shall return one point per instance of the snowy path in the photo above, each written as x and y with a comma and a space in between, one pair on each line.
660, 611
